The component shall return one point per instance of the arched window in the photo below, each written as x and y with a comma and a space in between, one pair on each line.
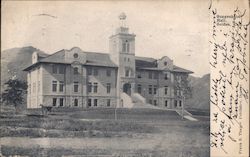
125, 46
76, 102
165, 63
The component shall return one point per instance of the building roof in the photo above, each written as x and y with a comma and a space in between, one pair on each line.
58, 57
103, 59
147, 63
99, 59
179, 69
92, 58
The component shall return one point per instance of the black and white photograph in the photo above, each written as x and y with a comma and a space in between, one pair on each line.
117, 78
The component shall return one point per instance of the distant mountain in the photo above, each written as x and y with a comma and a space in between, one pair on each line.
14, 60
200, 96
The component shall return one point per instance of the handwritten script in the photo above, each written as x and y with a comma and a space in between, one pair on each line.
229, 89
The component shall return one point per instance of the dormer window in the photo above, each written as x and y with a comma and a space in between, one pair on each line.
125, 46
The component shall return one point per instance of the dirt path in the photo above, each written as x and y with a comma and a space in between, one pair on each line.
149, 143
79, 143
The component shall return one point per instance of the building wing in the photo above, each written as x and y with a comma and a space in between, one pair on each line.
147, 63
92, 58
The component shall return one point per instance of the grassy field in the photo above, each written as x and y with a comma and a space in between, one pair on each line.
136, 132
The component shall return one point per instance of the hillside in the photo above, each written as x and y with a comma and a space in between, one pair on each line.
200, 98
14, 60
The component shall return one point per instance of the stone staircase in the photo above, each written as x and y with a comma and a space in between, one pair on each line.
126, 101
187, 115
135, 101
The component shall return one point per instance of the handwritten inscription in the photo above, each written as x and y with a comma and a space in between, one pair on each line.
229, 91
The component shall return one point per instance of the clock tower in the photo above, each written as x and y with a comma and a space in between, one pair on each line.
122, 53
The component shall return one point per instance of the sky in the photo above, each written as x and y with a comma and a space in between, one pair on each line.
177, 29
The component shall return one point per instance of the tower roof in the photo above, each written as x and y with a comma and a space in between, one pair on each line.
122, 16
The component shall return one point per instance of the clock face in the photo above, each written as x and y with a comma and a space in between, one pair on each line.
75, 55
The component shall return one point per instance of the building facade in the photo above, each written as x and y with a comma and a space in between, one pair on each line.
75, 78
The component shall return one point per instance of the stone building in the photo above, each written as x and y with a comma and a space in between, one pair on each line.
75, 78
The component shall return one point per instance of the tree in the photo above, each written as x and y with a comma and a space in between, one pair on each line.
14, 93
183, 85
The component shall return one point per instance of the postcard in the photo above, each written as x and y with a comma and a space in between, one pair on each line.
124, 78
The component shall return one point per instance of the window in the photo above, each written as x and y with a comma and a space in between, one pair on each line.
108, 102
61, 69
166, 76
175, 103
127, 72
139, 88
95, 102
54, 86
76, 72
108, 72
125, 46
75, 102
54, 69
95, 87
61, 84
89, 102
166, 103
155, 102
89, 87
150, 75
165, 63
76, 86
29, 90
38, 87
178, 92
150, 101
61, 101
114, 45
155, 89
166, 90
75, 55
95, 72
54, 102
34, 87
139, 75
108, 87
89, 71
38, 70
180, 103
156, 75
150, 89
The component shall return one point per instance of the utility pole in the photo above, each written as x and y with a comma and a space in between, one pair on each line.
115, 112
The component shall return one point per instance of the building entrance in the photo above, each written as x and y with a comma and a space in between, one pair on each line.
127, 88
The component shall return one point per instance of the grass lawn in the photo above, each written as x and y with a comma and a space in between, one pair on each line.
137, 132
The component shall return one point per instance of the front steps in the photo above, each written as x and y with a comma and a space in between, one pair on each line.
186, 115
